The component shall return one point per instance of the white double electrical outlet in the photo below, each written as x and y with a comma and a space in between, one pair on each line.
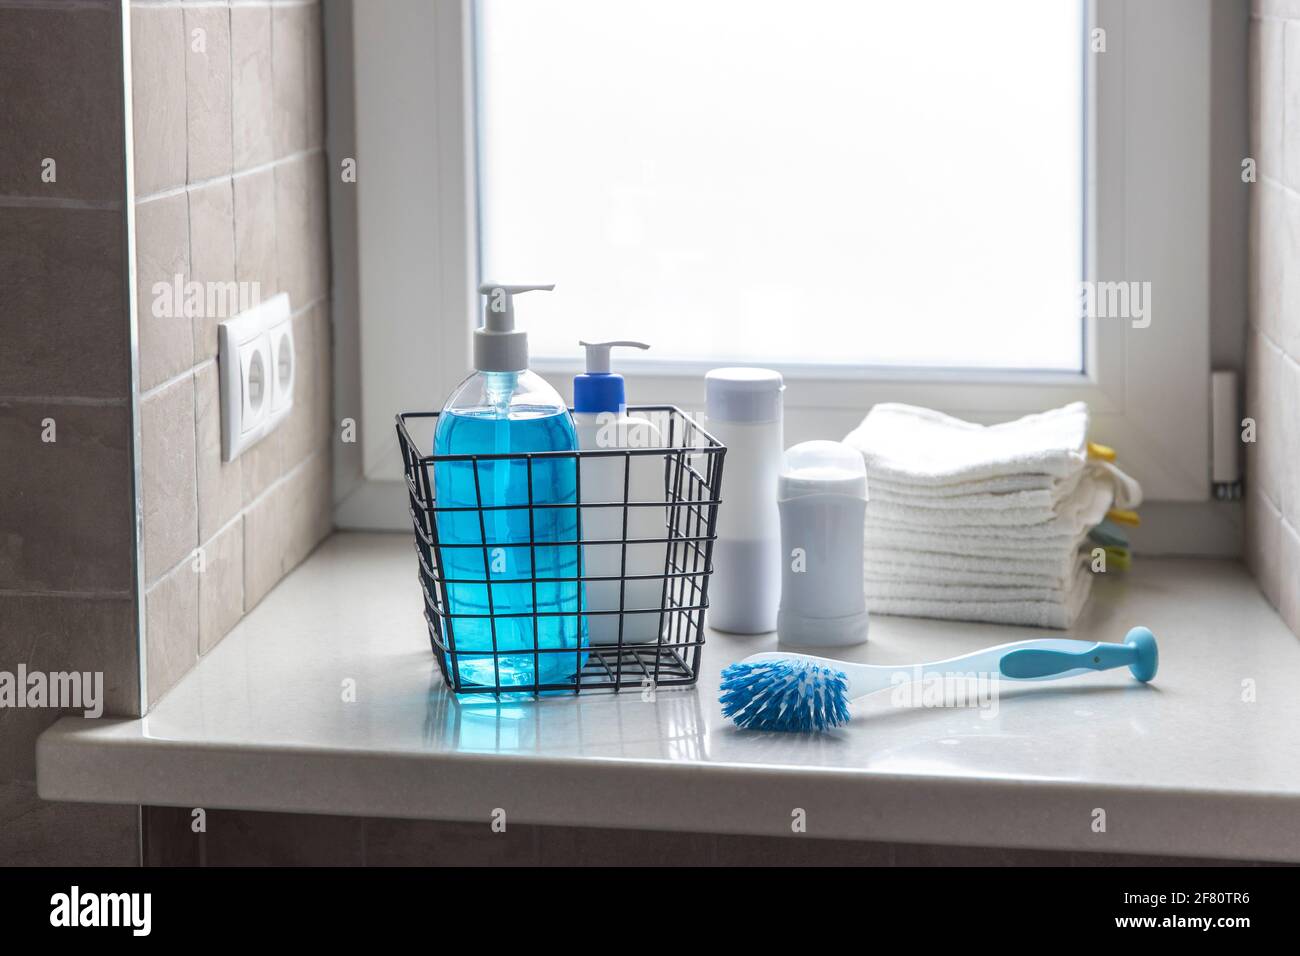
256, 363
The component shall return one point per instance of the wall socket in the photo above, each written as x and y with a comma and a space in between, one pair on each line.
256, 365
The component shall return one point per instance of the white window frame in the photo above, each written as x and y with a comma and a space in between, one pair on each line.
1147, 215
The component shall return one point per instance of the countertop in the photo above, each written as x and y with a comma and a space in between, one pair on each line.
1205, 761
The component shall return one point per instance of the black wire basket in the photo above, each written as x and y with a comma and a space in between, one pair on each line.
519, 599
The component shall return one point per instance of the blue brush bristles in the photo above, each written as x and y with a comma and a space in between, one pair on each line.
789, 695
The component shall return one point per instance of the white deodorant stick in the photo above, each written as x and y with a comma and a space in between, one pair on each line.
743, 408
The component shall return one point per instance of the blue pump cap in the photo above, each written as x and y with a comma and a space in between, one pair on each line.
599, 392
598, 389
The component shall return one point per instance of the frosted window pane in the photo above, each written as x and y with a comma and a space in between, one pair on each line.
777, 182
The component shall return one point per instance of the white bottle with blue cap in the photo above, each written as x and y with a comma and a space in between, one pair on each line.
623, 499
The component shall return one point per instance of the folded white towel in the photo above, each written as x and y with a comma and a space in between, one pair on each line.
924, 591
919, 446
1003, 484
1022, 613
1042, 499
1034, 491
894, 566
983, 523
1128, 493
1082, 509
1023, 606
979, 547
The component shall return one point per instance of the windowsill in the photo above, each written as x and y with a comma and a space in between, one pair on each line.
1181, 767
693, 370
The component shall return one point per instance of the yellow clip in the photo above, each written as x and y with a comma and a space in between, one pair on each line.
1121, 559
1104, 452
1124, 517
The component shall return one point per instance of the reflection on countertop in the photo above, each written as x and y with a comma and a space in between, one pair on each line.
326, 698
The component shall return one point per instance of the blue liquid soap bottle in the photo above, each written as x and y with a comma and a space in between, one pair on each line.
504, 409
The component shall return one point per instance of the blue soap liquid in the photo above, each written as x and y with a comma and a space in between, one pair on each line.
488, 432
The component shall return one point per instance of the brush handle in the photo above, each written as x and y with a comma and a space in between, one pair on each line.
1045, 658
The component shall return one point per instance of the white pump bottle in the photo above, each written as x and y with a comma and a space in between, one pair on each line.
623, 499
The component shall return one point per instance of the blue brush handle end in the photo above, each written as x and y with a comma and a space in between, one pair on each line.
1138, 652
1146, 655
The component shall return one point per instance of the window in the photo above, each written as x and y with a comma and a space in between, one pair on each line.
885, 201
830, 183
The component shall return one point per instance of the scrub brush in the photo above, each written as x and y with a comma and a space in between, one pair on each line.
795, 692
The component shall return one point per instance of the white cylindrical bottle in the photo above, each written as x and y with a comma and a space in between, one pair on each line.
622, 497
822, 494
744, 413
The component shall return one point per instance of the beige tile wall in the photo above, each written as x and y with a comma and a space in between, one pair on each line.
67, 544
230, 187
1273, 346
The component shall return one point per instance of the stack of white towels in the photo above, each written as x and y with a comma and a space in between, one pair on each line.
983, 523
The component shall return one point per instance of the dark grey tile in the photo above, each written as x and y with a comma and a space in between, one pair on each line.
588, 846
1141, 859
168, 837
392, 842
917, 854
63, 101
63, 286
734, 850
244, 838
67, 510
58, 633
63, 634
34, 832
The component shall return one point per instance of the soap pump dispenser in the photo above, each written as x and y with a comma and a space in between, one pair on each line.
623, 498
501, 353
600, 396
502, 387
518, 590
